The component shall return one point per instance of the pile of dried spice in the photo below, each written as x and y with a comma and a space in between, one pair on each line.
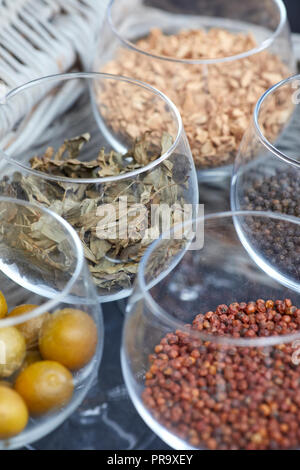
223, 396
111, 218
216, 100
278, 241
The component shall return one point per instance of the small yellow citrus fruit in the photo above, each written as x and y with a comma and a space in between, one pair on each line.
13, 413
12, 350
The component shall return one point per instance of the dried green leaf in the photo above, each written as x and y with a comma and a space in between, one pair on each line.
114, 236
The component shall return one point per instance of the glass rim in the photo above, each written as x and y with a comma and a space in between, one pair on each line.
263, 46
95, 75
52, 303
281, 155
177, 324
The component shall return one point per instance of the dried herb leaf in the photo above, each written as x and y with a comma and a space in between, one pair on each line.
114, 236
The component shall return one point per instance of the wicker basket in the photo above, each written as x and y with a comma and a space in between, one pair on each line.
42, 37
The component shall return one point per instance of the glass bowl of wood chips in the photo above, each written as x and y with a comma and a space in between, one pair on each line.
51, 325
213, 59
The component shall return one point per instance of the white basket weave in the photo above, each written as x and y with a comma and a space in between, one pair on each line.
42, 37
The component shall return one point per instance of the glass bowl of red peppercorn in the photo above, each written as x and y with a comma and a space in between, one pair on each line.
211, 346
266, 174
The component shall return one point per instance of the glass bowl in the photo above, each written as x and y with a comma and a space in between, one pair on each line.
211, 348
51, 326
213, 59
266, 174
61, 148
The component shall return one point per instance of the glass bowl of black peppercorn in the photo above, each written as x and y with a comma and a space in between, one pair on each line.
266, 177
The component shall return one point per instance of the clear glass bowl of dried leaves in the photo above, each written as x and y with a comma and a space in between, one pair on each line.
99, 165
213, 59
